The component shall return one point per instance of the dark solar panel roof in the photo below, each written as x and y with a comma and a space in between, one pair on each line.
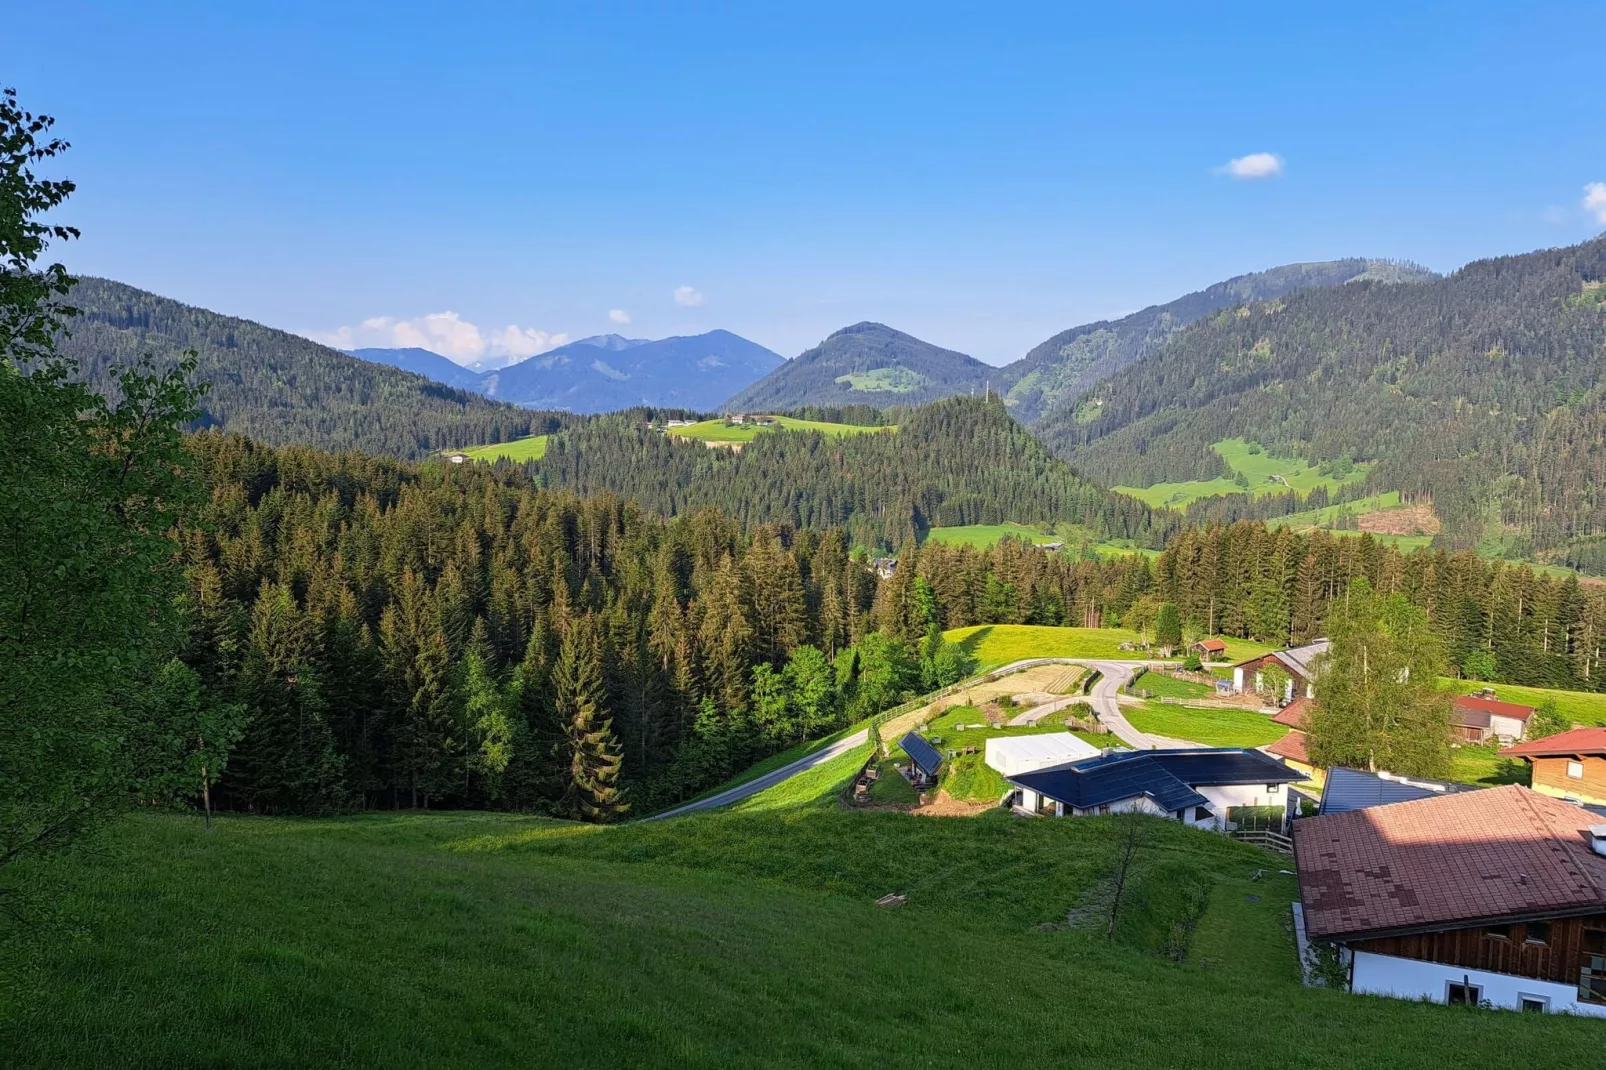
920, 752
1354, 789
1169, 777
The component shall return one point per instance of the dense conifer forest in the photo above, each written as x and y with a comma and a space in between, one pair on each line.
958, 461
455, 635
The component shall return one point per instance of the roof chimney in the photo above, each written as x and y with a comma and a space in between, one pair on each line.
1597, 839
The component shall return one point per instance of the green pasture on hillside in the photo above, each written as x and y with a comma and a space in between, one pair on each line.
1212, 727
530, 448
982, 536
1265, 474
999, 644
425, 940
968, 776
717, 431
895, 380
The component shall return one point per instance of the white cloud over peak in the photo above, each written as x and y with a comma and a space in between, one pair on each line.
619, 315
446, 333
689, 297
1255, 165
1595, 200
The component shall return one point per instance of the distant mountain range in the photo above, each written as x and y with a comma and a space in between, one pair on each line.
606, 372
870, 363
867, 363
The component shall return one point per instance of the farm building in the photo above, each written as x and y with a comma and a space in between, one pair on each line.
925, 760
1479, 718
1296, 662
1568, 765
1209, 649
1021, 754
1194, 786
1494, 897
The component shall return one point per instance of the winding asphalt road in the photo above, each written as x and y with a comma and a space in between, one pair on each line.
1114, 674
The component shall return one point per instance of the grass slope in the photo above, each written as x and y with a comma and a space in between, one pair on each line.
999, 644
1266, 475
981, 536
729, 940
716, 431
532, 448
1214, 728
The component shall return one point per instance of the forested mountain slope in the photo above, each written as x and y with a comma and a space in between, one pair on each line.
1485, 390
606, 373
866, 364
957, 461
1060, 370
280, 387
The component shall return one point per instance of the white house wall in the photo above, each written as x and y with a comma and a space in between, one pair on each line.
1389, 975
1222, 796
1505, 727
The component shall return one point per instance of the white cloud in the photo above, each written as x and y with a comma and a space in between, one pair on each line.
1255, 165
619, 315
689, 297
446, 333
1595, 200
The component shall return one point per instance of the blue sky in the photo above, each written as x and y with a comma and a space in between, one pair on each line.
980, 176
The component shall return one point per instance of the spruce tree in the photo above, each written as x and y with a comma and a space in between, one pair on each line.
593, 792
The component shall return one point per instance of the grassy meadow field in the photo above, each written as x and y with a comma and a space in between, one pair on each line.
1212, 727
999, 644
982, 536
717, 431
1582, 707
532, 448
737, 939
1265, 475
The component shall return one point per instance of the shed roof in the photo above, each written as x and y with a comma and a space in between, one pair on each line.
922, 753
1296, 714
1169, 777
1292, 747
1580, 741
1296, 659
1447, 862
1514, 710
1057, 745
1354, 789
1212, 644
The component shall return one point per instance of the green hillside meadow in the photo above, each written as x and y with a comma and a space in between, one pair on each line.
728, 940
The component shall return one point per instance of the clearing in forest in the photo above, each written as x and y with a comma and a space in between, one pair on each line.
718, 431
529, 448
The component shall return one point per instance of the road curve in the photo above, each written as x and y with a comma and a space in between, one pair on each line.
769, 779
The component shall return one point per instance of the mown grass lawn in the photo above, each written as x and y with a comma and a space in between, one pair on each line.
1162, 685
722, 940
999, 644
1583, 707
1483, 765
982, 536
531, 448
716, 431
1214, 728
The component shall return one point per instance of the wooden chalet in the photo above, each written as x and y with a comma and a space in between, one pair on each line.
1569, 765
1489, 898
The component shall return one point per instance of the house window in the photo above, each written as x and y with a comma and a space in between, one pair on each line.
1103, 810
1535, 1004
1592, 979
1538, 933
1274, 789
1457, 994
1595, 941
1202, 813
1497, 932
1575, 770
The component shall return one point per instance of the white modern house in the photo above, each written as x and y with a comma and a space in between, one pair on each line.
1487, 898
1021, 754
1195, 786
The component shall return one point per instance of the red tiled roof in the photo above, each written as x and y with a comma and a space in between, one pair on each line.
1291, 746
1213, 644
1296, 714
1572, 741
1494, 706
1447, 862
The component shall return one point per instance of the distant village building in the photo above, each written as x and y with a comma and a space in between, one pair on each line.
1481, 717
884, 567
1196, 786
1494, 897
1295, 661
457, 458
1569, 765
